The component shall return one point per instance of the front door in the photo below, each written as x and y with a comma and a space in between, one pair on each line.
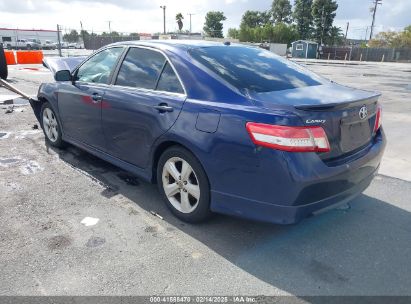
143, 103
80, 102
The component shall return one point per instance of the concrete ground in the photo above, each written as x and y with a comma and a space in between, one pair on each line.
71, 224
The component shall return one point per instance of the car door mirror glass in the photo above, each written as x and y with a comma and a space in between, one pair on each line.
64, 75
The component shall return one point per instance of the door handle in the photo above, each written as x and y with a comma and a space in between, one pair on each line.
163, 107
96, 97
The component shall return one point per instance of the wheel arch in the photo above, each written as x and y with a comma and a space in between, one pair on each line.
36, 105
163, 146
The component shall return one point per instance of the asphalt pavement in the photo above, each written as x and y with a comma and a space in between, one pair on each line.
71, 224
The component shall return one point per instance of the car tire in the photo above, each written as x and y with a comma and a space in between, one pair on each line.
3, 65
51, 126
188, 196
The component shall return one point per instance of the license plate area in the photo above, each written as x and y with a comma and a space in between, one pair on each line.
354, 135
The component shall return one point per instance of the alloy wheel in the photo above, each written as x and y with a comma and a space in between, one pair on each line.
181, 185
50, 125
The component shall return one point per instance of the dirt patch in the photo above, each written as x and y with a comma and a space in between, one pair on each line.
129, 179
59, 242
95, 241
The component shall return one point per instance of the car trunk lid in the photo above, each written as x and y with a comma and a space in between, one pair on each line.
347, 115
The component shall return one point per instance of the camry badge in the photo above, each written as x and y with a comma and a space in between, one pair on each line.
363, 112
311, 121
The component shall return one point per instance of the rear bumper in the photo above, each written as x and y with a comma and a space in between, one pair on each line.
277, 214
305, 188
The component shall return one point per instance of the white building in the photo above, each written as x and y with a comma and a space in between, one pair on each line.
11, 35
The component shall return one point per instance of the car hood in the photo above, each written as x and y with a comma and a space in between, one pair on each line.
324, 96
55, 64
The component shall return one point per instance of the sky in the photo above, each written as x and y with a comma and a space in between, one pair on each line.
146, 16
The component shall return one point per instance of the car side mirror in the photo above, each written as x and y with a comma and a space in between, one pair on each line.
63, 75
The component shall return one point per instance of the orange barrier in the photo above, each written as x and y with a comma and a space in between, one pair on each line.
29, 57
10, 59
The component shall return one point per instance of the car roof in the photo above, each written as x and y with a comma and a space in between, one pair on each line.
172, 43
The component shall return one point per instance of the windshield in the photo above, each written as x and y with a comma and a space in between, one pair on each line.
254, 69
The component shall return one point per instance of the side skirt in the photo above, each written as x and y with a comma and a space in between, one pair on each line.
144, 174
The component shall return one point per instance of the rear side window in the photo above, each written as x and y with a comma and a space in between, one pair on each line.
141, 68
169, 81
254, 69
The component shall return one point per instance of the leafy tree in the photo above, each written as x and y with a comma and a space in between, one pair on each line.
278, 33
245, 33
233, 33
255, 18
283, 33
179, 19
323, 12
73, 36
391, 39
281, 11
213, 26
336, 36
303, 17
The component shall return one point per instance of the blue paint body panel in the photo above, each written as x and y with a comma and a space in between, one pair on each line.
209, 120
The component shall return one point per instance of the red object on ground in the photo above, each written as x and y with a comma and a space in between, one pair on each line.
10, 59
29, 57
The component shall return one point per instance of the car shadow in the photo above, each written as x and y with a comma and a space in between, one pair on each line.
362, 249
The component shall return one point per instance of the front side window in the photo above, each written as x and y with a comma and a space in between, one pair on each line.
99, 67
141, 68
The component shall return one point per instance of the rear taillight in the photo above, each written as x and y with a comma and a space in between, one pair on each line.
292, 139
378, 118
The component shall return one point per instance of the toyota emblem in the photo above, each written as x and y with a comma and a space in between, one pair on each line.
363, 112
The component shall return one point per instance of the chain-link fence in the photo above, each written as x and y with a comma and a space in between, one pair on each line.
92, 40
79, 38
367, 54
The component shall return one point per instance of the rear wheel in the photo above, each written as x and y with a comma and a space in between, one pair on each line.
184, 185
51, 126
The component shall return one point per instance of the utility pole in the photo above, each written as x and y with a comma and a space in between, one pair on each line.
164, 18
82, 34
323, 26
366, 33
59, 40
190, 14
374, 11
346, 32
109, 30
109, 26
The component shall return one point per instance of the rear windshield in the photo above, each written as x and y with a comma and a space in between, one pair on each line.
254, 69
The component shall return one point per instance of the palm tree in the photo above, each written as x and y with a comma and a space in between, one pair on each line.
179, 19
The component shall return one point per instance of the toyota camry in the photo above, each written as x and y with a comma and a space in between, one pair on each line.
219, 127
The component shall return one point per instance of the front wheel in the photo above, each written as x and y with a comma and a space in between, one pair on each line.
184, 185
51, 126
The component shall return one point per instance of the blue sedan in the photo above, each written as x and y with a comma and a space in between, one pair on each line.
219, 127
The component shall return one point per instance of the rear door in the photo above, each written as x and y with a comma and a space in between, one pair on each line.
143, 103
80, 102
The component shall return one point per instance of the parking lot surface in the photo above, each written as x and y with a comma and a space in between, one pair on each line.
71, 224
